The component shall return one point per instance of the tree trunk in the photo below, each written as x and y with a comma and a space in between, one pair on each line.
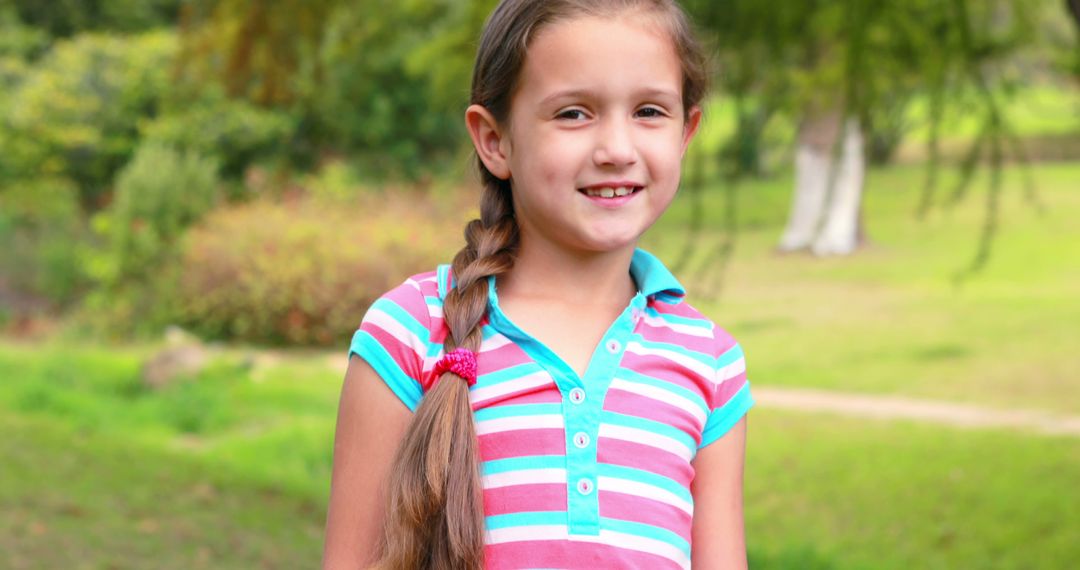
826, 202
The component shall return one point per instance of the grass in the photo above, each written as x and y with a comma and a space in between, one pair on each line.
825, 492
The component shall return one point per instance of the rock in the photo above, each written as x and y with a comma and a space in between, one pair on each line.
183, 356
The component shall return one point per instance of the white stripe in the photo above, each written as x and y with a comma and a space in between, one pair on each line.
520, 384
644, 490
491, 343
662, 395
606, 537
435, 311
513, 423
635, 435
388, 323
698, 367
677, 327
731, 370
524, 477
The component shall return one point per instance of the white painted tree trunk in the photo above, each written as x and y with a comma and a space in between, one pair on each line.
825, 205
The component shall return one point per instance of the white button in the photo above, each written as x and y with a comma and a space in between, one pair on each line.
584, 486
613, 346
577, 395
581, 439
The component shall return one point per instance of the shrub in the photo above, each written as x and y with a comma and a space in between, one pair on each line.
304, 272
235, 132
75, 113
40, 231
158, 194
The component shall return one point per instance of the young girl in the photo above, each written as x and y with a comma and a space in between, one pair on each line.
552, 399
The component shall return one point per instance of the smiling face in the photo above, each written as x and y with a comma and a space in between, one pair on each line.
596, 132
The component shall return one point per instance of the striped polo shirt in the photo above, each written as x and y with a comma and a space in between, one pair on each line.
589, 472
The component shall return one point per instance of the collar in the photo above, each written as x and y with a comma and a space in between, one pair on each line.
652, 277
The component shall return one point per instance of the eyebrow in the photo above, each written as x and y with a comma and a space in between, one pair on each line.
649, 92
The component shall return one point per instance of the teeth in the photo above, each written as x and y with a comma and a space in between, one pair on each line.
610, 192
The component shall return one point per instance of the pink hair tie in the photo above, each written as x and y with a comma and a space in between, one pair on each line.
460, 361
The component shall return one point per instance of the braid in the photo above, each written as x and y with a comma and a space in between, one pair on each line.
436, 513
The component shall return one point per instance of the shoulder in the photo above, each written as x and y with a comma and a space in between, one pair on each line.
680, 314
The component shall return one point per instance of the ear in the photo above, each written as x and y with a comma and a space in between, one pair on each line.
693, 121
487, 138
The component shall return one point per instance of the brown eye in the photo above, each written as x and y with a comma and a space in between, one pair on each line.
571, 114
650, 112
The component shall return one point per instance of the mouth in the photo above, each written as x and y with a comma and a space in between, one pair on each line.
610, 191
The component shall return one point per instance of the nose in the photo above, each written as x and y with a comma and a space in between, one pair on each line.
615, 144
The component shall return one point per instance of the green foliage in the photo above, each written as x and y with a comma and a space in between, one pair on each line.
235, 132
75, 114
304, 272
41, 229
159, 194
62, 18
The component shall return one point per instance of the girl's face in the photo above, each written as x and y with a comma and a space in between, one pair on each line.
597, 114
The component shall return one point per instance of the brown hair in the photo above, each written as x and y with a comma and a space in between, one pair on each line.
436, 516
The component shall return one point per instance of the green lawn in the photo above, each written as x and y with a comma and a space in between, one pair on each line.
889, 319
231, 469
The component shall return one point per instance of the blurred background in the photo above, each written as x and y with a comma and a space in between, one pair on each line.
199, 199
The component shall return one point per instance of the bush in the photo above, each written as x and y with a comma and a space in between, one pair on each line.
75, 114
304, 272
235, 132
158, 194
40, 231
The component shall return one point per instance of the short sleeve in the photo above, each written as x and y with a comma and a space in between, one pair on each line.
394, 338
731, 397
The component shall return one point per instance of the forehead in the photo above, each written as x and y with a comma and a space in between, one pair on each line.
604, 56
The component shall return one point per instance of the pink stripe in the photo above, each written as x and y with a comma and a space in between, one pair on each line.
525, 498
566, 554
631, 404
547, 394
683, 309
518, 443
639, 509
501, 358
644, 457
409, 299
403, 354
661, 368
727, 389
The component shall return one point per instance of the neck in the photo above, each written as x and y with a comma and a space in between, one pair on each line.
544, 272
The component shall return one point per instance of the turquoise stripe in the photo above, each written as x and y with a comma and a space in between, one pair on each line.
516, 410
730, 355
633, 376
526, 519
407, 390
647, 477
545, 518
523, 463
706, 359
509, 373
647, 531
403, 318
705, 324
651, 426
723, 418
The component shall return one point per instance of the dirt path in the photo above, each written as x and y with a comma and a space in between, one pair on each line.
931, 411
